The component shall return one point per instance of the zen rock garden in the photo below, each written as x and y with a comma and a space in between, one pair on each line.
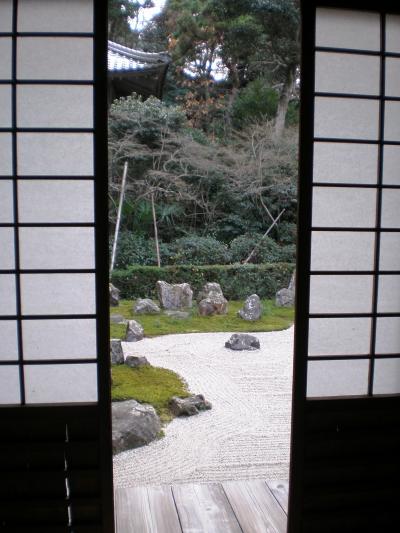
136, 424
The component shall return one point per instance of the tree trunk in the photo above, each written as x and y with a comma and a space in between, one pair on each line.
153, 209
283, 103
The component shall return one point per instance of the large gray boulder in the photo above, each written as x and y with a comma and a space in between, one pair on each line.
207, 288
286, 297
133, 425
145, 306
135, 361
175, 297
243, 341
114, 295
116, 352
134, 331
211, 300
189, 406
252, 308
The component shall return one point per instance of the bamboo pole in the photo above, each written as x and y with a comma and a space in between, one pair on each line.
121, 201
153, 209
263, 237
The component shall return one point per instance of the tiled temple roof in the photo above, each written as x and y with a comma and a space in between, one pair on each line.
122, 58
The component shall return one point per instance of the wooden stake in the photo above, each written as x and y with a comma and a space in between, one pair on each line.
153, 209
121, 201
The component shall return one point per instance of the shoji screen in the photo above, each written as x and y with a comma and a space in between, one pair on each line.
53, 300
354, 326
345, 464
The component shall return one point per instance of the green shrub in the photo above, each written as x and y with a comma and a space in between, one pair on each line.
257, 101
136, 249
195, 250
237, 281
268, 251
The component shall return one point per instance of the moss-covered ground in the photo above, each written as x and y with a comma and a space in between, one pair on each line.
148, 384
273, 319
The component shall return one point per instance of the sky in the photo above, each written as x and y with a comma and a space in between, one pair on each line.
149, 13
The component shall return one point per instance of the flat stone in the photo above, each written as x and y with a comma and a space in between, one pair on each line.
145, 306
243, 341
177, 314
189, 406
116, 352
134, 361
134, 331
118, 319
133, 425
252, 308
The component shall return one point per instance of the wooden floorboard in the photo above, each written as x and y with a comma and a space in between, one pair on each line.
232, 507
280, 489
204, 508
255, 507
146, 510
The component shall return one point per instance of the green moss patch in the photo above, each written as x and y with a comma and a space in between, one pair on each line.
273, 319
148, 384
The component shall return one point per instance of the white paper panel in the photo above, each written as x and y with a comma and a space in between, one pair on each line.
7, 249
59, 16
337, 378
339, 336
58, 294
390, 251
55, 154
344, 28
393, 33
392, 121
389, 294
6, 201
387, 376
391, 165
5, 54
347, 73
60, 106
56, 248
9, 340
5, 106
342, 250
388, 335
345, 163
55, 58
392, 85
7, 295
344, 207
346, 118
341, 294
6, 19
9, 385
59, 339
5, 155
390, 208
56, 201
61, 383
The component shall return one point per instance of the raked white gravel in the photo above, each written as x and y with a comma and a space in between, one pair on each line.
245, 435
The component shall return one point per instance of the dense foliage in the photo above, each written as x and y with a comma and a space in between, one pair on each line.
215, 163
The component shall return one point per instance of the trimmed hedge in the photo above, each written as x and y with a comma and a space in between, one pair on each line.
237, 281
